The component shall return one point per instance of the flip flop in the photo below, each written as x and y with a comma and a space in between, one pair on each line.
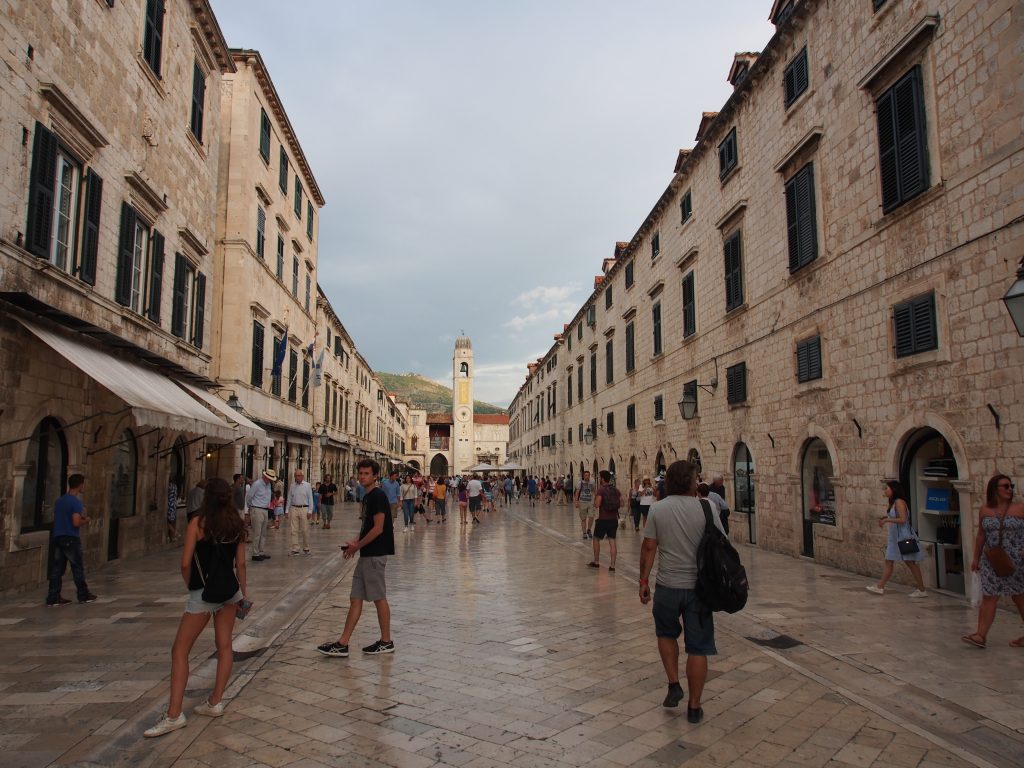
973, 640
1018, 643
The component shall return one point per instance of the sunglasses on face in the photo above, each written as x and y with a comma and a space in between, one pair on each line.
1008, 486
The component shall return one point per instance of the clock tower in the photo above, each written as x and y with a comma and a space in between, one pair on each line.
463, 448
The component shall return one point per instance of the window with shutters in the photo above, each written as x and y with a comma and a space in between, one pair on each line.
690, 393
305, 384
579, 383
629, 275
295, 276
309, 219
795, 78
153, 34
685, 207
736, 383
298, 197
733, 249
275, 372
188, 302
655, 245
728, 156
609, 362
808, 359
608, 297
337, 346
256, 374
140, 265
593, 428
265, 136
914, 326
568, 389
282, 171
801, 221
902, 141
631, 417
280, 258
609, 423
568, 436
659, 408
630, 346
198, 101
293, 376
689, 306
309, 290
591, 315
261, 231
579, 332
656, 327
593, 372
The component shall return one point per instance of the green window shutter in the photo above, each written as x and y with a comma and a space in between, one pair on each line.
156, 276
656, 327
264, 135
152, 41
305, 383
609, 362
630, 347
282, 174
309, 219
801, 220
659, 408
733, 272
200, 310
198, 101
178, 297
40, 200
902, 141
256, 375
689, 306
925, 332
293, 376
91, 230
125, 256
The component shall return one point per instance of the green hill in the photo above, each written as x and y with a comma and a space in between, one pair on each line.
427, 394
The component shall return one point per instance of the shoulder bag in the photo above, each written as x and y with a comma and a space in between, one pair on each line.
998, 557
909, 545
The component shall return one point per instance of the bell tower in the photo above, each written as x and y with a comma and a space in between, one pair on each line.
463, 445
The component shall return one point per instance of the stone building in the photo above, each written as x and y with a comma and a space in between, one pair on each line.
112, 141
268, 213
813, 303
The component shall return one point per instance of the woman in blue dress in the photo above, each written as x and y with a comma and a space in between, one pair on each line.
898, 520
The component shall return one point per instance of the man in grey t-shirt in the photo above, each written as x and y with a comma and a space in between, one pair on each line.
674, 529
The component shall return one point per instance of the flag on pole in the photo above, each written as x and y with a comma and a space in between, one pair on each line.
279, 358
312, 344
318, 370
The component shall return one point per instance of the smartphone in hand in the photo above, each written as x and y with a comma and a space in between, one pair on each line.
242, 607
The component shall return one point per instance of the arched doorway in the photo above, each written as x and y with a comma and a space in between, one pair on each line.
611, 468
659, 463
123, 478
928, 471
414, 464
694, 458
46, 479
593, 474
175, 477
743, 481
439, 465
634, 471
819, 496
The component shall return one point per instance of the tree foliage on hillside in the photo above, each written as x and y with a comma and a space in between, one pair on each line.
426, 394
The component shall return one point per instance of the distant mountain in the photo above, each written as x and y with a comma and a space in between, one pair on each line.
426, 394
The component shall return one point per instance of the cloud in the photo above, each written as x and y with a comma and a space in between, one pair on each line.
543, 294
545, 304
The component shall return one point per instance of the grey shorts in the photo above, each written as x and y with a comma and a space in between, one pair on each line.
368, 579
195, 603
698, 625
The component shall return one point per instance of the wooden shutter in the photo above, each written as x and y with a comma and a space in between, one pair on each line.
256, 375
91, 230
630, 347
689, 307
801, 219
293, 376
153, 36
910, 135
736, 383
609, 362
808, 360
156, 277
282, 179
198, 100
40, 196
733, 273
659, 408
656, 328
200, 310
264, 135
125, 256
925, 336
305, 383
178, 297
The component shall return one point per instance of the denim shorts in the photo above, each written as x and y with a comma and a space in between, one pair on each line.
196, 604
698, 624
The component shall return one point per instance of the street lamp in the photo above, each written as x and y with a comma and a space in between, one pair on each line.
324, 437
1014, 300
688, 405
233, 402
588, 436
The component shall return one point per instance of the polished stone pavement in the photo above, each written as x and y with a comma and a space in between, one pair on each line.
510, 652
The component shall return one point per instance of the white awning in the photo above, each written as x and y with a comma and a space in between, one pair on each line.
154, 398
253, 433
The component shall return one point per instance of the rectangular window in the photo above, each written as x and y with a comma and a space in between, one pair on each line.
188, 302
293, 376
579, 383
608, 297
261, 231
256, 374
295, 276
808, 359
198, 101
591, 315
656, 327
659, 408
593, 372
309, 219
689, 306
609, 423
309, 289
795, 79
153, 34
282, 171
579, 432
631, 417
629, 274
914, 326
902, 141
140, 264
280, 258
264, 135
630, 346
569, 436
733, 271
579, 332
727, 154
568, 390
801, 220
609, 362
275, 378
305, 384
655, 245
736, 383
298, 197
685, 207
568, 339
690, 392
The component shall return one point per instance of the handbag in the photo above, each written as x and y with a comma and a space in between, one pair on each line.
998, 557
909, 545
220, 584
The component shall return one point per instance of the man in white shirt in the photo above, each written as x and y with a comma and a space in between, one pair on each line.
257, 502
475, 490
298, 510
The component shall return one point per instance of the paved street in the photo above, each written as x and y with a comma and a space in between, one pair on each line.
510, 652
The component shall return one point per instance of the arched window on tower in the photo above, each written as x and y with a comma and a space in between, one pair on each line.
464, 369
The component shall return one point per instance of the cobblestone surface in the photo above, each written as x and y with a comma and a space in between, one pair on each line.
510, 652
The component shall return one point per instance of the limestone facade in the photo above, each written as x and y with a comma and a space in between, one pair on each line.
823, 275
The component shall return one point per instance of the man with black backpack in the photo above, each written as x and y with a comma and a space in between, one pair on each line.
675, 527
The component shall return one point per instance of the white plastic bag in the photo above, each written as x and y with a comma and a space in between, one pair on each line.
975, 592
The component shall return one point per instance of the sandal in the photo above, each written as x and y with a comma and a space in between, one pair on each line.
593, 565
976, 640
1018, 643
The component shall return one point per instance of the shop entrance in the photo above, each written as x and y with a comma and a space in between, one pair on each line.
927, 471
819, 496
743, 477
439, 466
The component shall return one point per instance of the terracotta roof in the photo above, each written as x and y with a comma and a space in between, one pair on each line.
705, 120
490, 418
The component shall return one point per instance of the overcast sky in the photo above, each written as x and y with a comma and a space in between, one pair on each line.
479, 158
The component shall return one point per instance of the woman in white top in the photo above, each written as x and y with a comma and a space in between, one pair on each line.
408, 493
646, 499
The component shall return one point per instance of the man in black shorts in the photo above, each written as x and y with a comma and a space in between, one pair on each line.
376, 541
607, 502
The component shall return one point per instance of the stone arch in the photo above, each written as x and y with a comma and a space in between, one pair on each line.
414, 464
634, 470
659, 462
439, 465
904, 431
815, 431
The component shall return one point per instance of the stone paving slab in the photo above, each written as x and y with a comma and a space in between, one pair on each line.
510, 652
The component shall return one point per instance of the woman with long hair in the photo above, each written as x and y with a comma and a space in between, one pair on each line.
214, 541
1000, 523
897, 517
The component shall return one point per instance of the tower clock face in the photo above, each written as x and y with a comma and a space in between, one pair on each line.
463, 414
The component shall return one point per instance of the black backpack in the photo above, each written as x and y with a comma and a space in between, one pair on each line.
721, 578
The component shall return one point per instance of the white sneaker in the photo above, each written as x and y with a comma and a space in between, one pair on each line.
166, 725
405, 530
918, 593
875, 590
210, 710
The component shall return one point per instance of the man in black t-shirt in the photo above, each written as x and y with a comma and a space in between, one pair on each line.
328, 494
376, 541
